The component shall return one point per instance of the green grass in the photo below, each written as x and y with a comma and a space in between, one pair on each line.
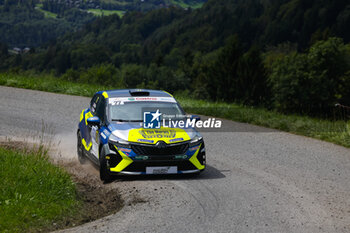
182, 4
332, 131
47, 14
122, 2
34, 194
49, 83
337, 132
99, 12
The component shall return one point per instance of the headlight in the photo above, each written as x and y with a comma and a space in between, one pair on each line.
118, 141
196, 140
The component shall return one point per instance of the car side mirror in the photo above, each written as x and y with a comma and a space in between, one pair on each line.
94, 121
196, 117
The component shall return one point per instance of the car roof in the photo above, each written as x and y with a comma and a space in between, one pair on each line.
135, 92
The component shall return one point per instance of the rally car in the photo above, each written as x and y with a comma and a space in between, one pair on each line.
127, 132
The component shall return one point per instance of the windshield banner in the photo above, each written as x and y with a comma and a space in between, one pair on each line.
122, 100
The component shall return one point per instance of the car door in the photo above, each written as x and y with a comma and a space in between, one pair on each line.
99, 111
85, 129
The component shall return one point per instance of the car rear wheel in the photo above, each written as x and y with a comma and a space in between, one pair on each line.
80, 150
104, 172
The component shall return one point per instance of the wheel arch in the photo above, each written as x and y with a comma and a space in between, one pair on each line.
104, 150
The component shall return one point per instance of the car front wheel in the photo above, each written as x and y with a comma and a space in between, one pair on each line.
104, 171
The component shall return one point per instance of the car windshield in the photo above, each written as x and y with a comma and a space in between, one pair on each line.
133, 111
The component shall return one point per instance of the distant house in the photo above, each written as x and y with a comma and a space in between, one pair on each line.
17, 50
26, 50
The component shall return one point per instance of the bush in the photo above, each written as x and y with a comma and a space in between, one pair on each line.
311, 82
104, 74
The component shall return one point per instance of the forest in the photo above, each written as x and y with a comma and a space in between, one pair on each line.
21, 25
32, 23
292, 56
58, 6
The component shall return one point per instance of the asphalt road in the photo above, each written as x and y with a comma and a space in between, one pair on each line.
257, 180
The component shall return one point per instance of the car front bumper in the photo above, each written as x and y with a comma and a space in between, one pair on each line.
126, 162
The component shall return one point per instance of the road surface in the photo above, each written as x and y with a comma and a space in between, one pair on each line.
257, 180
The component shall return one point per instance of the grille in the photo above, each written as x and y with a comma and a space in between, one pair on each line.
153, 150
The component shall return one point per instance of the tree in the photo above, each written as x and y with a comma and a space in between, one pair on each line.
252, 79
223, 74
312, 82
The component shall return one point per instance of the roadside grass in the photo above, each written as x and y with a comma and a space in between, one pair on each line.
100, 12
337, 131
49, 83
34, 194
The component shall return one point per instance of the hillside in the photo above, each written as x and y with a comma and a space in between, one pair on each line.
165, 35
36, 22
244, 51
108, 7
22, 24
119, 5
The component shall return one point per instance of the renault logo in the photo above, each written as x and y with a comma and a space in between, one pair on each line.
161, 144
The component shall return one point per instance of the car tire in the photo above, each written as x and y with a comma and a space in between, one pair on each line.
80, 150
104, 173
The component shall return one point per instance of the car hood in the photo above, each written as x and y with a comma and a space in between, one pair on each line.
134, 132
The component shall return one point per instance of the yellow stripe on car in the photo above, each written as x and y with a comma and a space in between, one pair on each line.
88, 115
168, 93
82, 115
194, 160
126, 161
105, 94
87, 147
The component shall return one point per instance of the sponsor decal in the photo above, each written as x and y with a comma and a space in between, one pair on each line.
194, 148
145, 140
125, 150
122, 100
141, 157
105, 131
176, 140
158, 133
